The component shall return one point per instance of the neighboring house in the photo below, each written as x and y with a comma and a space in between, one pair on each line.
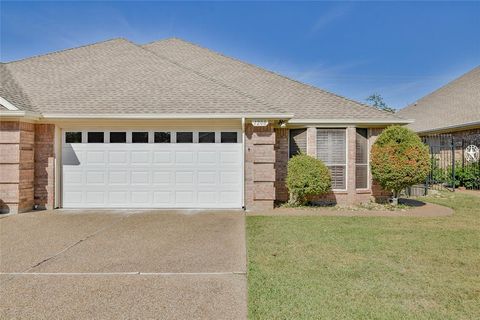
453, 109
170, 125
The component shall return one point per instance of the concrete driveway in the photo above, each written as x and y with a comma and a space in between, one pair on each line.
123, 264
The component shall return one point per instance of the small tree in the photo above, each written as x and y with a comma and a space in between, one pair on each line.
306, 176
376, 101
399, 159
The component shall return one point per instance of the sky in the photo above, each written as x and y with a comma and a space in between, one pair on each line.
400, 50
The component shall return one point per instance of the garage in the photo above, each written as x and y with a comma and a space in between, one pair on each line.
152, 168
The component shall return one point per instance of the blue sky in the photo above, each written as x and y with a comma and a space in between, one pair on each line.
401, 50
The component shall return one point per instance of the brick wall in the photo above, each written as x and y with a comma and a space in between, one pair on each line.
44, 166
260, 155
352, 195
16, 166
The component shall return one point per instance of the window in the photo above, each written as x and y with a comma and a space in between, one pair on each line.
73, 137
118, 137
95, 137
139, 137
298, 141
331, 149
228, 137
162, 137
361, 159
184, 137
206, 137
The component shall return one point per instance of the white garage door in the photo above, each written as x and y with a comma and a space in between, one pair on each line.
137, 170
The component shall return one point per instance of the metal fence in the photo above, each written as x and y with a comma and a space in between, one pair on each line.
454, 162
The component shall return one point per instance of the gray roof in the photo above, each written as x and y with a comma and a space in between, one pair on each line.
305, 101
11, 91
454, 105
165, 77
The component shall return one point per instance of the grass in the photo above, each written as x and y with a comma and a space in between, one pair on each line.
366, 267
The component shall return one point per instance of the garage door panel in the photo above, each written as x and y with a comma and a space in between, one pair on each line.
152, 175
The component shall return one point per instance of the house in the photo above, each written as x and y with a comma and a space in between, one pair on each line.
170, 124
453, 108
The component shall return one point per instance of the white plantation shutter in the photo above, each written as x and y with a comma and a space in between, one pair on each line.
298, 141
331, 149
361, 159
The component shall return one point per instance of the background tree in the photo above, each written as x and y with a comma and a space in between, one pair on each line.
399, 159
376, 101
306, 176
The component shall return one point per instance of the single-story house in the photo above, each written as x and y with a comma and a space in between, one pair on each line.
453, 108
170, 124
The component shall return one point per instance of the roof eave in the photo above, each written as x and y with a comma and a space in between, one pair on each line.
169, 116
350, 121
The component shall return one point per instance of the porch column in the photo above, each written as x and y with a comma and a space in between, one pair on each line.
351, 160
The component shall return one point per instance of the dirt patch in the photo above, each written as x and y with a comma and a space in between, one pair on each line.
416, 209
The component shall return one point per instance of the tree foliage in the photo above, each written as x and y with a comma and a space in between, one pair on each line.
376, 101
399, 159
306, 177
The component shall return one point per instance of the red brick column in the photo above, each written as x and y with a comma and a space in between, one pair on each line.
45, 166
16, 166
259, 167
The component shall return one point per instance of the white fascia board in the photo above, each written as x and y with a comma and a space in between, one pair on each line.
4, 102
348, 121
19, 114
466, 125
165, 116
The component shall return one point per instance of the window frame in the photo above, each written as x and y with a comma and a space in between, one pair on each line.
207, 132
71, 131
345, 165
104, 133
368, 187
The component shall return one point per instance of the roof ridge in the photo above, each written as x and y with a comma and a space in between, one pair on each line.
256, 99
64, 50
446, 85
274, 73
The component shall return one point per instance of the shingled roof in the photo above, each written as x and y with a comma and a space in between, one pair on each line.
166, 77
454, 105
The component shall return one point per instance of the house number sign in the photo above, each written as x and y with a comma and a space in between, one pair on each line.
472, 153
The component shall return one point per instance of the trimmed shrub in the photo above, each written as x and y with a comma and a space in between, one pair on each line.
399, 159
306, 177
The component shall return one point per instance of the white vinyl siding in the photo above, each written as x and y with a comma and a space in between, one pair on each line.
361, 159
332, 150
298, 141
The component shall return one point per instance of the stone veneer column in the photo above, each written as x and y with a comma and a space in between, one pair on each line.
312, 142
16, 166
351, 161
45, 166
259, 167
281, 162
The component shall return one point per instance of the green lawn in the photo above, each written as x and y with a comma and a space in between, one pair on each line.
366, 267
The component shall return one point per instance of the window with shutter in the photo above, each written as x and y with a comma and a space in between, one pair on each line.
361, 159
331, 149
298, 141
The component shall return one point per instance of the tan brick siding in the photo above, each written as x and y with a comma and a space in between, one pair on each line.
45, 165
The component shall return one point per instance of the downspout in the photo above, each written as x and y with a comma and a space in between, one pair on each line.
243, 162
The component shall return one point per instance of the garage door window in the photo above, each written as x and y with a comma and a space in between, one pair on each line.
162, 137
118, 137
206, 137
184, 137
95, 137
139, 137
73, 137
229, 137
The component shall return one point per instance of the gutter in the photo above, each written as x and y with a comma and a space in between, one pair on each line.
20, 114
167, 116
349, 121
447, 128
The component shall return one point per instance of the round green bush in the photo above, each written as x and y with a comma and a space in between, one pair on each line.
306, 177
399, 159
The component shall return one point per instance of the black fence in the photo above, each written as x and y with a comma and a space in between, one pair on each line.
454, 162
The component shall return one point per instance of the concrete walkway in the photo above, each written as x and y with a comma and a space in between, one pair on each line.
123, 264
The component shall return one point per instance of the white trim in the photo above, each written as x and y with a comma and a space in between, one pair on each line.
346, 122
457, 126
4, 102
243, 162
19, 113
166, 116
368, 188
